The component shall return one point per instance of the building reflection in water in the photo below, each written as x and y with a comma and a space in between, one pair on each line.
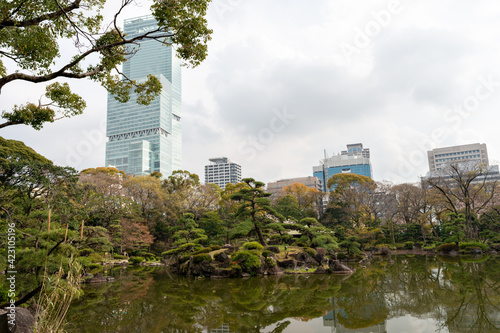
223, 329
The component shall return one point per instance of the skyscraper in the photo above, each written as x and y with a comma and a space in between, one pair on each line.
147, 138
222, 171
355, 159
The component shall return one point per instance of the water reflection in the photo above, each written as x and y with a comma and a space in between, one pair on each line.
411, 294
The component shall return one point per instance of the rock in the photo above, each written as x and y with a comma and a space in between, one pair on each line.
319, 257
321, 251
320, 270
306, 258
492, 252
24, 320
110, 278
340, 268
88, 275
273, 249
245, 275
222, 257
98, 278
453, 253
287, 263
275, 270
35, 310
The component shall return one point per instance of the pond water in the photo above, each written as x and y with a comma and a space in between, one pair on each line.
404, 294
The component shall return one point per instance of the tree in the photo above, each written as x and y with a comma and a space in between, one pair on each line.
256, 206
308, 199
465, 188
288, 206
32, 32
353, 193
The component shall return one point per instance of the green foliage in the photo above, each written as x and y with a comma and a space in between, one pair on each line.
197, 258
341, 256
267, 253
248, 261
95, 266
288, 206
136, 260
254, 205
270, 262
85, 252
409, 245
252, 246
187, 247
446, 248
310, 251
351, 244
468, 246
119, 256
32, 34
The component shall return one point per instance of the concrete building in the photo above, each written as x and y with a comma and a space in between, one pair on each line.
222, 171
275, 187
471, 157
355, 159
147, 138
439, 158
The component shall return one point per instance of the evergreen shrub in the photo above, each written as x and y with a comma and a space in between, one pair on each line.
468, 246
248, 261
136, 260
252, 246
447, 247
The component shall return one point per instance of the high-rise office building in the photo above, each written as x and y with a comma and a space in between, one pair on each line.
355, 159
222, 171
147, 138
439, 158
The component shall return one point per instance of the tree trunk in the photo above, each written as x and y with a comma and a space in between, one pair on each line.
261, 237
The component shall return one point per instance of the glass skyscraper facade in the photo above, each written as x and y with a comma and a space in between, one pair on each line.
147, 138
355, 159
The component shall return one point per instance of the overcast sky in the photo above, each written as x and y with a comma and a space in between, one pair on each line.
286, 79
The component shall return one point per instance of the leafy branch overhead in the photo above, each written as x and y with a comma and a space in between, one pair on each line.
32, 32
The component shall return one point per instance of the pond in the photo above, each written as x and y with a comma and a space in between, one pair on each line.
402, 294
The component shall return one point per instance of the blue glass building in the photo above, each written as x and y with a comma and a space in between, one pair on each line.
147, 138
355, 159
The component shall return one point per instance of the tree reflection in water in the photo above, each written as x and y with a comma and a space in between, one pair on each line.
459, 295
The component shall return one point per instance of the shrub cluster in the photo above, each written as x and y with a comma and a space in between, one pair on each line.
136, 260
267, 253
252, 246
270, 262
312, 252
447, 247
467, 246
119, 256
201, 257
248, 261
409, 245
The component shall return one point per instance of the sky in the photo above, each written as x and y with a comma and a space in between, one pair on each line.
287, 80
